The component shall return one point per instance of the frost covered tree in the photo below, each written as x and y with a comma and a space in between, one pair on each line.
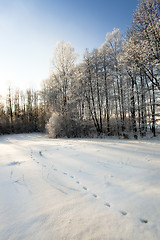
93, 90
112, 77
64, 91
63, 72
146, 33
142, 56
114, 90
104, 55
9, 108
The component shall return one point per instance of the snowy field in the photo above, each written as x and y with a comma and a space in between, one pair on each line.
100, 189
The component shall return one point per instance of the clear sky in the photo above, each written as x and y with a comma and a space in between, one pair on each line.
29, 30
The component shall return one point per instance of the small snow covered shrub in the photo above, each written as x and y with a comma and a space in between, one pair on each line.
67, 126
52, 125
62, 126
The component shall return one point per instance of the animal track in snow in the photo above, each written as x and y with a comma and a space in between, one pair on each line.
94, 195
40, 153
107, 205
144, 220
123, 213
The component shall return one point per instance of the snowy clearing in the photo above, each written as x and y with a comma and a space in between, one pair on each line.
79, 189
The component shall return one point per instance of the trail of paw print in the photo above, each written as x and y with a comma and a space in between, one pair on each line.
31, 155
123, 213
84, 187
93, 194
142, 220
77, 182
106, 204
71, 176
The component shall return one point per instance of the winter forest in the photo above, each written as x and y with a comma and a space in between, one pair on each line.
113, 91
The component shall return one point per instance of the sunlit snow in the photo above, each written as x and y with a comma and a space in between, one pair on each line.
79, 189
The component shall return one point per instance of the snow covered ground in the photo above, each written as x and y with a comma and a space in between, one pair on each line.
79, 189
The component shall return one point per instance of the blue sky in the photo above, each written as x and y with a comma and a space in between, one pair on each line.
29, 30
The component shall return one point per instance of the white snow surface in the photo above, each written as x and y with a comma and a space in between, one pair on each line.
53, 189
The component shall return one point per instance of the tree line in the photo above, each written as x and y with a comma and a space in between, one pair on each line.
22, 113
113, 91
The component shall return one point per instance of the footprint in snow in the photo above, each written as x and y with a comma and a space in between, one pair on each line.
94, 195
77, 182
123, 213
144, 220
71, 177
40, 153
107, 205
55, 169
65, 173
84, 188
